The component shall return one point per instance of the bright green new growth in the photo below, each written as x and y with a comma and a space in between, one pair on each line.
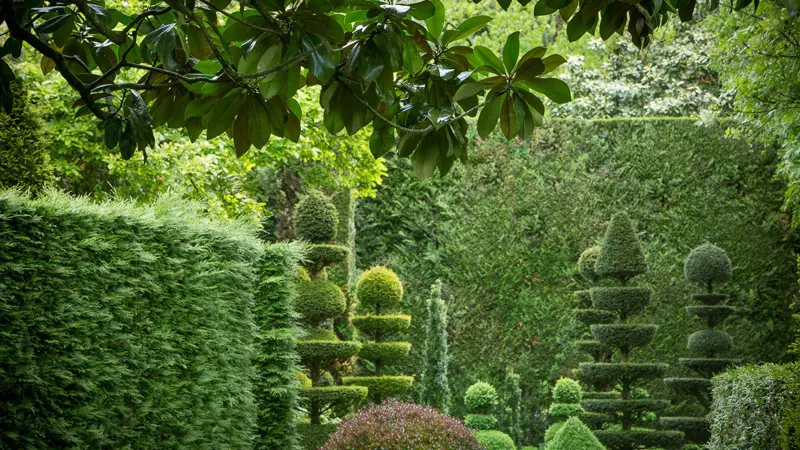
481, 399
587, 262
567, 390
705, 265
379, 291
621, 256
567, 395
495, 440
435, 387
318, 301
574, 435
708, 264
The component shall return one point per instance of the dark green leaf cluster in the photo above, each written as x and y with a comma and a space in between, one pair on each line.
712, 315
315, 219
624, 336
621, 254
319, 300
708, 367
480, 421
315, 435
379, 290
696, 387
625, 301
706, 265
481, 398
710, 343
115, 317
495, 440
634, 439
623, 372
382, 386
320, 256
595, 316
695, 429
584, 298
630, 406
574, 435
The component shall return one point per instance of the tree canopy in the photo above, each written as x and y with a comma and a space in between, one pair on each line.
225, 67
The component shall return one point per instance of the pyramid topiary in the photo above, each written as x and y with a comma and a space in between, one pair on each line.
705, 265
318, 301
480, 400
378, 293
588, 316
621, 258
567, 395
574, 435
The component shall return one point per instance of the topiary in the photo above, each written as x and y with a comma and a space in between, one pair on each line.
315, 219
587, 262
705, 265
481, 398
574, 435
621, 258
435, 387
378, 291
495, 440
567, 395
402, 426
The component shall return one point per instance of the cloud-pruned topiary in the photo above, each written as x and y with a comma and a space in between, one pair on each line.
315, 219
567, 395
574, 435
378, 292
705, 266
435, 387
402, 426
621, 258
318, 302
481, 399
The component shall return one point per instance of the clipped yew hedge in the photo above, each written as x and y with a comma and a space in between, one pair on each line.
135, 327
503, 234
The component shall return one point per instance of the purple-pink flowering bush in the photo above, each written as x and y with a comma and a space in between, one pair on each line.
402, 426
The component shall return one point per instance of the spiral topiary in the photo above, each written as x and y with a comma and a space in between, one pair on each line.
480, 400
567, 395
378, 292
621, 258
705, 266
317, 302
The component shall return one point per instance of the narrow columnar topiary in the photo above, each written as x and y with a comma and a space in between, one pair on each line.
567, 395
435, 387
378, 292
574, 435
511, 421
588, 316
705, 266
621, 259
318, 301
481, 400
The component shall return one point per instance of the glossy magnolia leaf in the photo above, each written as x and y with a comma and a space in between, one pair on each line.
161, 41
489, 59
258, 126
320, 63
127, 141
511, 51
687, 11
557, 4
222, 115
465, 29
530, 69
426, 158
541, 9
552, 62
52, 24
532, 100
487, 120
112, 131
435, 23
467, 90
381, 141
141, 122
241, 132
555, 89
580, 25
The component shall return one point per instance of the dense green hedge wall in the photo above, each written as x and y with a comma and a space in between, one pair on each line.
133, 327
505, 232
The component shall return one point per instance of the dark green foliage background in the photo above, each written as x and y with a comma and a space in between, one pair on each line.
505, 233
133, 327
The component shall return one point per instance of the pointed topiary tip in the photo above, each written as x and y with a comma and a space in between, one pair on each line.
574, 435
708, 264
621, 254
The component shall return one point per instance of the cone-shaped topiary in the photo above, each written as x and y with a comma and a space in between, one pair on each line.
705, 265
621, 258
480, 400
567, 395
574, 435
588, 316
435, 387
318, 301
379, 292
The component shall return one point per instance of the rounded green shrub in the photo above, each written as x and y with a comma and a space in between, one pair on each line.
587, 262
709, 343
563, 411
495, 440
620, 254
319, 300
384, 325
481, 397
708, 264
574, 435
319, 334
384, 352
567, 390
695, 429
315, 219
480, 421
302, 275
379, 289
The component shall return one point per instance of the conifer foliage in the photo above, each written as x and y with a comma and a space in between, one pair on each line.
481, 400
318, 301
567, 396
435, 387
621, 258
378, 293
511, 417
705, 265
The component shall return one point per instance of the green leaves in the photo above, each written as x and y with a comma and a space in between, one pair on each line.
511, 51
487, 121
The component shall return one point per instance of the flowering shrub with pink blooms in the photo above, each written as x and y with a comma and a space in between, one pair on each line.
402, 426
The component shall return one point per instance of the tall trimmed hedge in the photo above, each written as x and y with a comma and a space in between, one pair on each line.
520, 213
24, 161
133, 327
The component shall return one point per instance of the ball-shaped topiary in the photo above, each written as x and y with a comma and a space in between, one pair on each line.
495, 440
402, 426
567, 390
587, 262
319, 300
480, 398
708, 264
379, 289
315, 219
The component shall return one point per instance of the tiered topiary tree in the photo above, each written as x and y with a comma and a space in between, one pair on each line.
378, 293
481, 399
318, 302
574, 435
435, 387
588, 315
621, 259
567, 395
706, 265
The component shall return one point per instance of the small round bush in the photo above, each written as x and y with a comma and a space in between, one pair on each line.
708, 264
402, 426
709, 343
315, 219
587, 261
567, 390
319, 300
480, 398
379, 290
480, 421
495, 440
